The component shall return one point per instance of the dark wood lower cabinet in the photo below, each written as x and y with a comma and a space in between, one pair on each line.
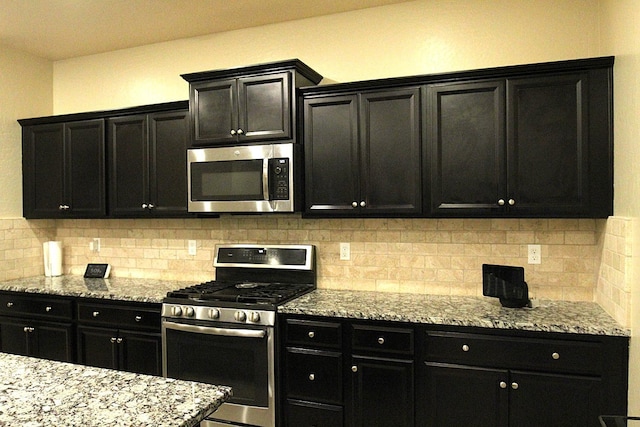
120, 349
356, 373
383, 392
46, 340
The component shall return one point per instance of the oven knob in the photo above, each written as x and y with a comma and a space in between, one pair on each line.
189, 312
176, 311
240, 316
214, 313
254, 317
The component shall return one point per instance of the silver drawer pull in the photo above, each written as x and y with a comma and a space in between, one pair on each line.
9, 304
503, 384
354, 368
113, 340
119, 340
465, 347
138, 318
312, 334
95, 313
555, 356
312, 377
381, 340
514, 385
28, 329
48, 309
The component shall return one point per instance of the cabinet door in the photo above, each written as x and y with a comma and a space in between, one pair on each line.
264, 107
97, 347
467, 148
43, 170
169, 140
13, 337
383, 392
538, 399
129, 156
390, 152
53, 341
140, 352
548, 148
332, 181
85, 168
467, 396
214, 112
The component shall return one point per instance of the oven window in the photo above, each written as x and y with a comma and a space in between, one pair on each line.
234, 180
241, 363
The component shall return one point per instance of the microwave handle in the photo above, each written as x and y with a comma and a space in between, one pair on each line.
265, 178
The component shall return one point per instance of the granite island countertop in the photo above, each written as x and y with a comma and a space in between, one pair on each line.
44, 393
484, 312
116, 288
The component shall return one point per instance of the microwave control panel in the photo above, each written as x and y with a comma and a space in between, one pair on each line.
279, 178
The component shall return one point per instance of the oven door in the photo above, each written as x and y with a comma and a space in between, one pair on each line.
240, 357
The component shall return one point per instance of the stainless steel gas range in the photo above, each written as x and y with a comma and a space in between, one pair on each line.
222, 331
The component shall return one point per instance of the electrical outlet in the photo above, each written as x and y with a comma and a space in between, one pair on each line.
192, 247
535, 256
345, 251
94, 245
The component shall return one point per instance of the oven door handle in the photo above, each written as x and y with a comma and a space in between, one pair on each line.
210, 330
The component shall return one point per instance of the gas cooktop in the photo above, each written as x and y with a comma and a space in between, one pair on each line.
240, 291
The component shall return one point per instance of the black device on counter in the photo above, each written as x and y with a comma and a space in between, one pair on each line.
506, 283
97, 271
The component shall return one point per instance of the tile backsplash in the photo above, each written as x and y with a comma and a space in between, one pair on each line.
582, 259
440, 256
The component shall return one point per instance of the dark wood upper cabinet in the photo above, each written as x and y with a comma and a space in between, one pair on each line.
248, 104
363, 153
532, 144
63, 169
147, 164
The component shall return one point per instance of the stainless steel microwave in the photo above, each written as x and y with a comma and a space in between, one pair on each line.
242, 179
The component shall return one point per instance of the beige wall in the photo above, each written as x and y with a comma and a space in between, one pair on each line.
25, 91
424, 36
620, 33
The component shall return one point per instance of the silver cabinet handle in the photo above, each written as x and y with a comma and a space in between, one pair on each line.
312, 377
113, 340
503, 384
465, 347
381, 340
512, 202
555, 356
240, 131
312, 334
233, 132
138, 318
354, 368
48, 309
144, 206
514, 385
150, 206
28, 329
354, 204
95, 314
9, 304
501, 202
119, 340
363, 204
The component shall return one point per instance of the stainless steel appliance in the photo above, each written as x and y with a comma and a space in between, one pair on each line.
247, 178
222, 331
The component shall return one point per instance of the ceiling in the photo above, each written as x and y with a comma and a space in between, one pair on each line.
61, 29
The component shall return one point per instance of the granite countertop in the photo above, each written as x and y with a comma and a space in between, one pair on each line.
44, 393
117, 288
547, 316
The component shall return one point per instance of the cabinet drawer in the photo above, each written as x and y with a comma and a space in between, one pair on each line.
119, 316
515, 353
314, 375
309, 333
380, 339
308, 414
14, 304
